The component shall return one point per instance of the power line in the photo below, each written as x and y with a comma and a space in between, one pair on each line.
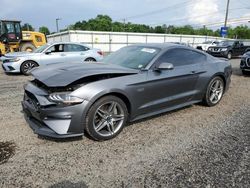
244, 3
157, 11
198, 16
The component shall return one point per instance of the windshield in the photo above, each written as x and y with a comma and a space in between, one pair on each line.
41, 48
135, 57
226, 43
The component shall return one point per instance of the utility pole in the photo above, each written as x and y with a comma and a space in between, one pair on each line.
124, 22
57, 27
225, 24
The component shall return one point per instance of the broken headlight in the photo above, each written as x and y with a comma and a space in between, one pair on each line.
64, 98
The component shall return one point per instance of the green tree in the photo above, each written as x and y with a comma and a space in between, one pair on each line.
27, 27
160, 29
105, 23
44, 30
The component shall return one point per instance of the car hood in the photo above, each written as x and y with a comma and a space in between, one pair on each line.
63, 74
19, 54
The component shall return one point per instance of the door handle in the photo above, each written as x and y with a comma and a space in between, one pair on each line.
197, 71
63, 55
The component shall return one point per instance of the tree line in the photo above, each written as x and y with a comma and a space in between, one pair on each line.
105, 23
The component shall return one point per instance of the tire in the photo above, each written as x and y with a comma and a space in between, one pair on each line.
213, 93
90, 59
100, 123
245, 72
27, 66
27, 47
229, 55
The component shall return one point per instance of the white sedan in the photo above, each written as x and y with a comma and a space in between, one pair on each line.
51, 53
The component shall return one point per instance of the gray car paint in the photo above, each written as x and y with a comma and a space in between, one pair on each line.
146, 92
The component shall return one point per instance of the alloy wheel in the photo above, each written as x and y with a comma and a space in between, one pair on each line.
108, 118
216, 91
28, 66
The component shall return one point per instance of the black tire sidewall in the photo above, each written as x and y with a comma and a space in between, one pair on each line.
90, 116
245, 72
207, 95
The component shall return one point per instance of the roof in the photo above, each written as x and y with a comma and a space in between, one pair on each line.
159, 45
10, 20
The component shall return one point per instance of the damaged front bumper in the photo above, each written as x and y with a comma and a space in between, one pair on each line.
49, 119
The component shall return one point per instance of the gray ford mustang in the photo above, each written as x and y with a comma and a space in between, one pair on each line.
66, 100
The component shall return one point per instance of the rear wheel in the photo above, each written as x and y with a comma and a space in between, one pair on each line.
90, 59
27, 47
214, 93
106, 118
27, 66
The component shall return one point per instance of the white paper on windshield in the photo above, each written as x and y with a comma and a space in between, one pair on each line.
148, 50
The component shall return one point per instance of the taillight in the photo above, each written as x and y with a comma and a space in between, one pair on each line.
100, 52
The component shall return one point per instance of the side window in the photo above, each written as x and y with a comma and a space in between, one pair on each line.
56, 48
17, 27
74, 48
181, 57
10, 27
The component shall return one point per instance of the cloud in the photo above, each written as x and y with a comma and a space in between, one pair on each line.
203, 12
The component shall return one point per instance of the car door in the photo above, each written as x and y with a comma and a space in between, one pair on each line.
75, 52
170, 88
54, 54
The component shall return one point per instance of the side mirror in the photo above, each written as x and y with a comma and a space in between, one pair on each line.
48, 52
166, 66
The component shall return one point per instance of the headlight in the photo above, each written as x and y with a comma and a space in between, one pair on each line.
64, 98
11, 60
223, 49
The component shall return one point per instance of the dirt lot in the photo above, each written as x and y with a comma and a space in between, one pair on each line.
193, 147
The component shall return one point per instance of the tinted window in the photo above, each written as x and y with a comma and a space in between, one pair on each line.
74, 48
56, 48
17, 27
10, 28
180, 57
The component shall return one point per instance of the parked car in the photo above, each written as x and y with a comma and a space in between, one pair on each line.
136, 82
228, 49
245, 63
205, 45
50, 53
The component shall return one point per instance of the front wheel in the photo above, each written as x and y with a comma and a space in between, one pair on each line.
106, 118
214, 92
245, 72
27, 66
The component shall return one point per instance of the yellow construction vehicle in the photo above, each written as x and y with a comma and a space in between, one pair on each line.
13, 39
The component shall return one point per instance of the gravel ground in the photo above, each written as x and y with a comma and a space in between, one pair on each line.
196, 146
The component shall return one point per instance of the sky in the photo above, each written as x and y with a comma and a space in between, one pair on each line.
151, 12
